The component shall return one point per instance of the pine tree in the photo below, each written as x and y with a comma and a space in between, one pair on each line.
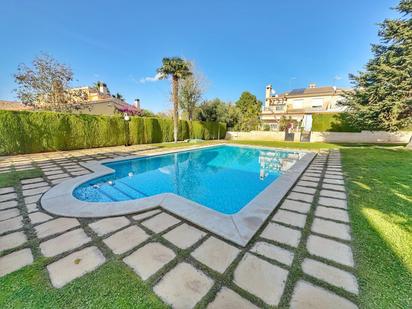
382, 96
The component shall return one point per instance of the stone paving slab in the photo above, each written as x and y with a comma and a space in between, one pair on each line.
126, 239
8, 197
307, 296
304, 183
35, 185
330, 228
29, 192
331, 275
14, 261
63, 243
108, 225
184, 236
183, 287
12, 240
333, 202
228, 299
32, 207
298, 206
330, 250
9, 213
74, 265
32, 199
282, 234
12, 224
333, 181
160, 222
39, 217
8, 204
334, 187
260, 278
333, 194
290, 218
302, 189
301, 197
273, 252
147, 260
332, 213
31, 180
216, 254
5, 190
146, 214
55, 226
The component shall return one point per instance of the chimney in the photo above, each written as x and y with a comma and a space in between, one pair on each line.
136, 103
268, 93
312, 85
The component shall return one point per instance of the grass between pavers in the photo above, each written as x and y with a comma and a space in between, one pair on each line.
380, 204
113, 285
11, 179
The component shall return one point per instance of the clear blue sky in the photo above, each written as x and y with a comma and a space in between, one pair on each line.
238, 45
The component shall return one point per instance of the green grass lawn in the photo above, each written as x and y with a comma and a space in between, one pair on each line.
10, 179
113, 285
380, 203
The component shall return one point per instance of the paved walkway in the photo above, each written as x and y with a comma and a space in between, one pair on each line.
301, 258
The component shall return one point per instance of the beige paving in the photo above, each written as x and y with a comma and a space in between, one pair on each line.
125, 240
273, 252
184, 236
307, 295
149, 259
261, 278
63, 243
108, 225
331, 275
282, 234
14, 261
11, 224
290, 218
55, 226
12, 240
74, 265
183, 287
9, 213
216, 254
330, 249
331, 228
39, 217
160, 222
228, 299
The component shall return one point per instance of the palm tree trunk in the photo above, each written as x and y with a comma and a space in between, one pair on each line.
175, 107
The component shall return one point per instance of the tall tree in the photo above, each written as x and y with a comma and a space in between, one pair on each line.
249, 109
177, 69
46, 85
382, 96
218, 110
190, 92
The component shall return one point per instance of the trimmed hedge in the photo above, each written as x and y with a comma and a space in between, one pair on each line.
333, 122
30, 132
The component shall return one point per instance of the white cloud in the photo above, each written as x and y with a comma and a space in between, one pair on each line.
338, 77
150, 79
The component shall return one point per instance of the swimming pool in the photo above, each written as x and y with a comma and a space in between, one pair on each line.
223, 178
226, 189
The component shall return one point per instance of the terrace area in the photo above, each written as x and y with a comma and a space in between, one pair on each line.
301, 257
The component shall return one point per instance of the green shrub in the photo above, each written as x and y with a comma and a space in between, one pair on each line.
333, 122
30, 132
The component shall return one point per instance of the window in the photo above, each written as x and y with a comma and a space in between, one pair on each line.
317, 103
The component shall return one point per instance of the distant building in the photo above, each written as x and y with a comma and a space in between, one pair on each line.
13, 106
92, 100
99, 101
300, 102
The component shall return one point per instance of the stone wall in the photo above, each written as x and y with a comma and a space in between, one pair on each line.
331, 137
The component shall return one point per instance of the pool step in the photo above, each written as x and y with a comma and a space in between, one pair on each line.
113, 193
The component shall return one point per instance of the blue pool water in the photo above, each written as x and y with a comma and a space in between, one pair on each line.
224, 178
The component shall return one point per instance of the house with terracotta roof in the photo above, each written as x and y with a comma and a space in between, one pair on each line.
13, 106
297, 103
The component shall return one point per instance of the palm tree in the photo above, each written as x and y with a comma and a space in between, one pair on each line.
177, 68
